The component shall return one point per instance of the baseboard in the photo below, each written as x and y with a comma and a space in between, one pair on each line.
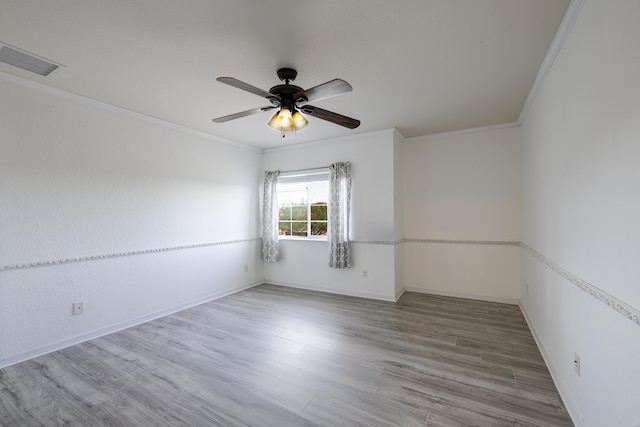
572, 408
316, 288
487, 298
67, 342
399, 294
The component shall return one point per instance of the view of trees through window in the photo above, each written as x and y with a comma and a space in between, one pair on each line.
303, 209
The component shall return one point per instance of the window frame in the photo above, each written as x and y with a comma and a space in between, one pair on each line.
298, 177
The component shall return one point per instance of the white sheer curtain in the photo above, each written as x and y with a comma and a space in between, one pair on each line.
270, 242
339, 214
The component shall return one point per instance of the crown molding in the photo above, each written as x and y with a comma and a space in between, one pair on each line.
429, 136
119, 110
390, 131
570, 16
397, 134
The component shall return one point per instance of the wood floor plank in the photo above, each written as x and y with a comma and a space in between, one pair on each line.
276, 356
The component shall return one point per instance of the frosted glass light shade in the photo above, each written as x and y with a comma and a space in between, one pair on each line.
299, 121
284, 121
274, 122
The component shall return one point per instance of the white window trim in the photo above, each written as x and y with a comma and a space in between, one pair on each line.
305, 175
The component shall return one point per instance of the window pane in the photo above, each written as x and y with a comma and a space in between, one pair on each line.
318, 192
284, 228
318, 212
285, 213
299, 213
319, 228
289, 198
292, 194
302, 207
299, 228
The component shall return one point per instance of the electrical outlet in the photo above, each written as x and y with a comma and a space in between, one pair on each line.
365, 274
77, 308
246, 268
576, 364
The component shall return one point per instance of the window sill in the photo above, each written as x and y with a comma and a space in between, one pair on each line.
303, 239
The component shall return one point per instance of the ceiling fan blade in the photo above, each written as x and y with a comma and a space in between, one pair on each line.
323, 91
330, 116
247, 87
242, 114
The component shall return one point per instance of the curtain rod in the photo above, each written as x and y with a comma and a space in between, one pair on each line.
306, 170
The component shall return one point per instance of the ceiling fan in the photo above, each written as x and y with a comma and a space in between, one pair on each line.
291, 101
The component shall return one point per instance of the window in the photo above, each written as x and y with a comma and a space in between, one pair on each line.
302, 204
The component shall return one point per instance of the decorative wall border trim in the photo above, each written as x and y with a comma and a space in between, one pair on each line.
376, 242
612, 302
455, 242
120, 254
466, 242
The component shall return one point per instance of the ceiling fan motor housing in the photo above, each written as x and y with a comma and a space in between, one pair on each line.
285, 92
287, 74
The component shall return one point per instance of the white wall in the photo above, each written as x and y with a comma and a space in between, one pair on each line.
398, 211
581, 147
304, 263
78, 179
462, 214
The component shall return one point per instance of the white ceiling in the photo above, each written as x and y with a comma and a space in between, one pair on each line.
422, 66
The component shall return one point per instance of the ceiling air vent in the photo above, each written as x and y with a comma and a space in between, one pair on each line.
27, 61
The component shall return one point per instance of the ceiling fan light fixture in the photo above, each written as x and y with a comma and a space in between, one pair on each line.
288, 124
284, 121
281, 120
289, 99
284, 118
274, 121
299, 121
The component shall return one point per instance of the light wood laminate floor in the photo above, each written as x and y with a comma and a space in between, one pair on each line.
275, 356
